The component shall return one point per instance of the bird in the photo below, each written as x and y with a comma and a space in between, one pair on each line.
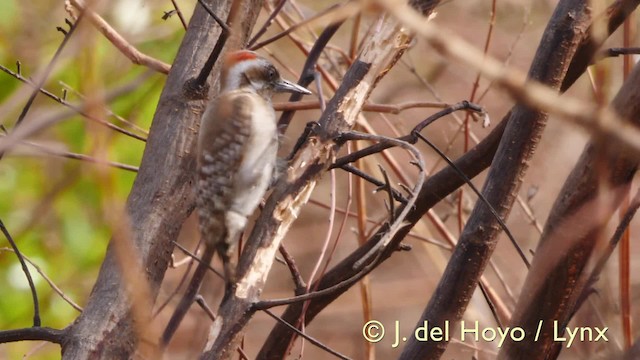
236, 161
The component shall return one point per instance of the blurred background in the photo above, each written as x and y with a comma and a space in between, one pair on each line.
59, 185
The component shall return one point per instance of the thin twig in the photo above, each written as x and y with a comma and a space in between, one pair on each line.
27, 274
76, 156
307, 337
367, 107
387, 187
267, 23
472, 97
363, 271
361, 214
190, 259
614, 52
512, 46
379, 184
325, 244
66, 87
196, 258
182, 20
75, 108
293, 268
45, 75
53, 286
225, 28
308, 71
410, 138
613, 242
198, 85
493, 211
396, 225
119, 41
203, 305
321, 15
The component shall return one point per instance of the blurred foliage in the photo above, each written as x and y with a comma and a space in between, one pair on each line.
55, 207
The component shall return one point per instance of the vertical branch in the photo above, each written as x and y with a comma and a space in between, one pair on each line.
437, 187
625, 247
161, 197
561, 258
472, 98
293, 190
364, 284
27, 274
518, 143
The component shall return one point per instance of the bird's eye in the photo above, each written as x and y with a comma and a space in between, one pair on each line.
272, 74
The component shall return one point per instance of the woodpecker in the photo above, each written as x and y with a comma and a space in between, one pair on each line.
237, 148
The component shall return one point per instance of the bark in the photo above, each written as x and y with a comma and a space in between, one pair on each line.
588, 199
435, 189
161, 197
382, 51
567, 26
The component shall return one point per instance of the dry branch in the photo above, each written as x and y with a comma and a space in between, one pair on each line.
371, 107
565, 29
590, 195
159, 204
120, 42
293, 190
436, 188
161, 198
529, 92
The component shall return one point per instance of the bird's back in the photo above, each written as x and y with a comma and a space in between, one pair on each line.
236, 165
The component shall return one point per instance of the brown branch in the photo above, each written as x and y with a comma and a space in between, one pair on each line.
35, 333
179, 13
369, 107
75, 156
76, 108
307, 72
27, 274
333, 14
600, 178
294, 188
622, 227
160, 200
267, 23
532, 93
307, 337
298, 281
46, 278
120, 42
518, 143
436, 188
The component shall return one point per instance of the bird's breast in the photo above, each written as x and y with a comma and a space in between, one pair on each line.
262, 146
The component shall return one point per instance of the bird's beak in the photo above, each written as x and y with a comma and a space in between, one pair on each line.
287, 86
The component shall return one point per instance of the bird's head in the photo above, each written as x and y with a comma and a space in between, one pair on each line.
247, 69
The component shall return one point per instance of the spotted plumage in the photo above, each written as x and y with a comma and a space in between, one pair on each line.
237, 147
